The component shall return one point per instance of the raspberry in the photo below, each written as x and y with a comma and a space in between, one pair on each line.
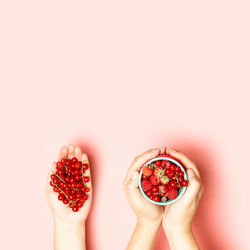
172, 194
146, 185
154, 180
163, 189
147, 171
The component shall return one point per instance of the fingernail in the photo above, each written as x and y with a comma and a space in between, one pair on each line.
190, 173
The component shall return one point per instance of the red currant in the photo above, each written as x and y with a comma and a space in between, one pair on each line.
156, 198
172, 185
75, 209
180, 174
157, 163
65, 201
86, 178
149, 193
155, 189
184, 183
74, 160
85, 166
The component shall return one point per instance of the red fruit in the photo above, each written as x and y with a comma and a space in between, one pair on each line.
156, 198
177, 169
65, 201
146, 185
171, 174
75, 209
159, 172
55, 189
86, 178
78, 177
144, 177
172, 167
151, 197
180, 179
155, 189
147, 171
172, 185
180, 173
163, 189
165, 164
149, 193
172, 194
78, 165
61, 197
157, 163
87, 189
154, 180
85, 166
74, 160
184, 183
78, 184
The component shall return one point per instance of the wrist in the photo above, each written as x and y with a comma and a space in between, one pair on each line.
148, 224
70, 226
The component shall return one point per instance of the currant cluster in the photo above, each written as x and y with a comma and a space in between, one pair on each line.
162, 180
70, 183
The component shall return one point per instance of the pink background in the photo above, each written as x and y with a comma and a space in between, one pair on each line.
117, 78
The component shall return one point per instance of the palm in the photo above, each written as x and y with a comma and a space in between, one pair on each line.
59, 210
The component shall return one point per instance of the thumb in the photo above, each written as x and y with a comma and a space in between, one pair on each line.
133, 180
194, 185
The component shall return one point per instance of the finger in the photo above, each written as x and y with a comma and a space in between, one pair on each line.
87, 172
184, 159
51, 171
200, 194
194, 186
71, 149
131, 187
78, 153
140, 160
63, 152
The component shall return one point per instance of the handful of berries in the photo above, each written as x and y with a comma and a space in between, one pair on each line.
162, 180
70, 183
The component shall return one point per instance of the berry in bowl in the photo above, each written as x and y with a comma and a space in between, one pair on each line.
163, 180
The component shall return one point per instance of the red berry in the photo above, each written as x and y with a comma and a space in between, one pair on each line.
87, 189
149, 193
180, 179
65, 201
151, 197
75, 209
172, 194
177, 168
146, 185
85, 166
184, 183
180, 174
172, 167
73, 185
61, 197
156, 198
78, 165
159, 171
74, 160
147, 171
78, 184
86, 178
157, 163
55, 189
172, 185
163, 189
144, 177
155, 189
154, 180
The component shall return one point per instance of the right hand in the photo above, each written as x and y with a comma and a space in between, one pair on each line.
179, 215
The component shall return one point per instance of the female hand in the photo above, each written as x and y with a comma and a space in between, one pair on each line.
61, 212
146, 212
179, 215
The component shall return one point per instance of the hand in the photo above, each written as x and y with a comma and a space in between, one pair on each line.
179, 215
146, 212
60, 212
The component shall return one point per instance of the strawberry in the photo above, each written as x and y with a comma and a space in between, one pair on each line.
146, 185
163, 189
159, 171
172, 194
165, 164
164, 179
147, 171
154, 180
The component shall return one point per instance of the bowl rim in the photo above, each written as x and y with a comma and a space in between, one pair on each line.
163, 157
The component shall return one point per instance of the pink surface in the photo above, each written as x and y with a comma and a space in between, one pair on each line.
119, 78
